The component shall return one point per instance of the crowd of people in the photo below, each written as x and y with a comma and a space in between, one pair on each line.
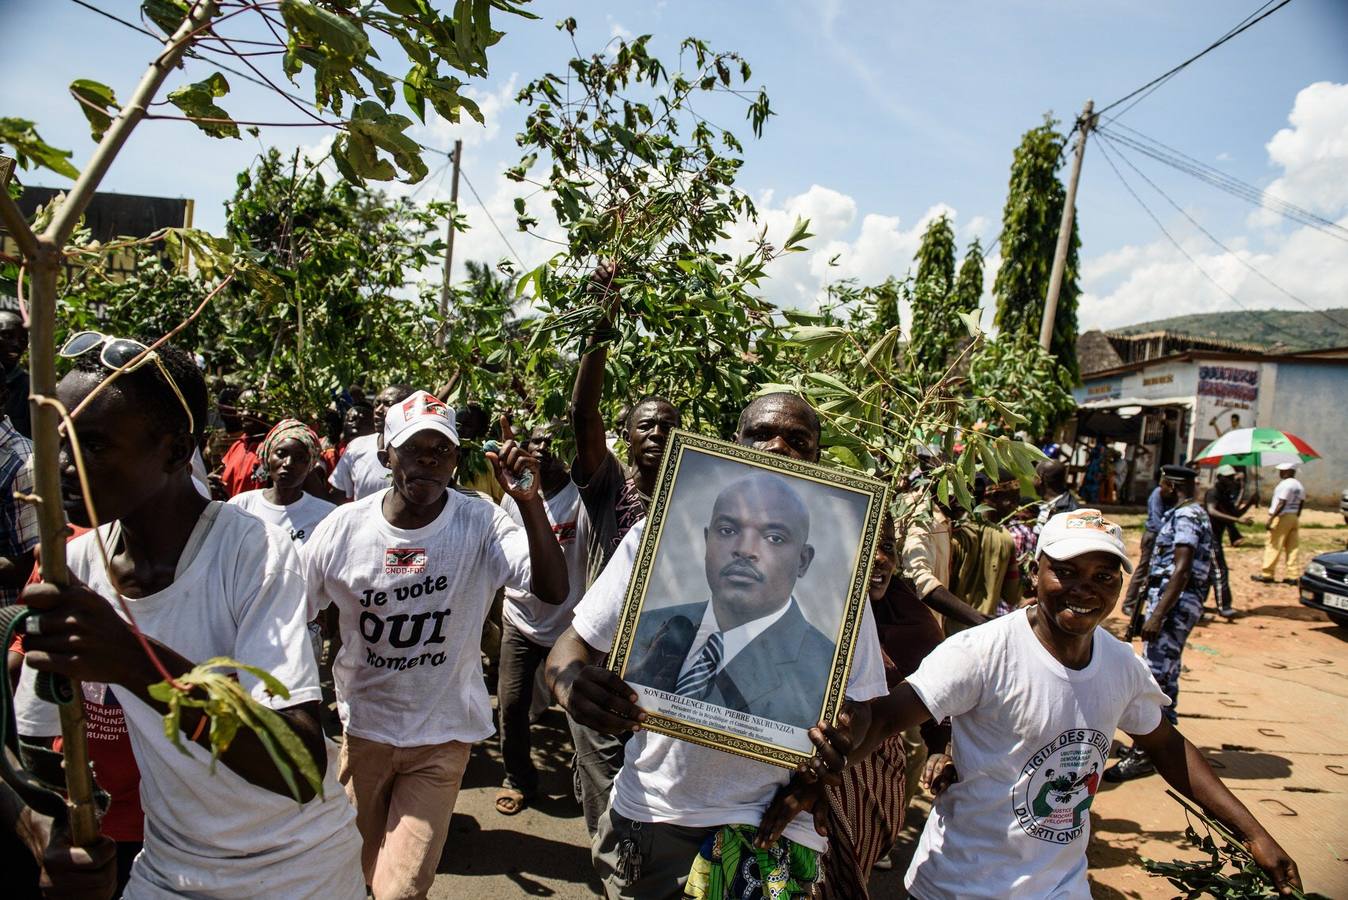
427, 558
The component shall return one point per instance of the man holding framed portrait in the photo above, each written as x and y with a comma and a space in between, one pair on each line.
711, 551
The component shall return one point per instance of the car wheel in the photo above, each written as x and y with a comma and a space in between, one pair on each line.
1338, 618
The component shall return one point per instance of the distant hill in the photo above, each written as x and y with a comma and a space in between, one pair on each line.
1277, 329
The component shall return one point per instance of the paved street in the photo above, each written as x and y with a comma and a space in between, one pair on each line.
1265, 697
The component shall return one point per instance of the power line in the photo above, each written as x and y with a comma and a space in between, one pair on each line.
1214, 239
1248, 22
491, 218
1222, 181
1204, 272
1166, 78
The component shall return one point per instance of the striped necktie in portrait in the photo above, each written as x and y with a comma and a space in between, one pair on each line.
695, 682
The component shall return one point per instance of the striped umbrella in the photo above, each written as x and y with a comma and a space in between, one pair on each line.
1255, 447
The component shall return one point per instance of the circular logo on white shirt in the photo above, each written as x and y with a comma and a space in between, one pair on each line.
1052, 798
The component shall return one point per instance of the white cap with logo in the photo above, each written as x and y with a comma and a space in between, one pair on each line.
1070, 534
1287, 467
419, 412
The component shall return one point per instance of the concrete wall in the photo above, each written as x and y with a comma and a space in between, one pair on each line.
1311, 401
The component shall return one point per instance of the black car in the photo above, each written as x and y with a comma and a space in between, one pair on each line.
1324, 585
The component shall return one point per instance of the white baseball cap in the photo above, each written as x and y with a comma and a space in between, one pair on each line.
420, 411
1070, 534
1226, 469
1287, 467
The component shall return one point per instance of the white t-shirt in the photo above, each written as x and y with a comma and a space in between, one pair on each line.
359, 473
411, 605
1290, 491
299, 519
216, 834
664, 779
542, 622
1030, 741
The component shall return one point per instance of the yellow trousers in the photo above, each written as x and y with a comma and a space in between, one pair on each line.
1282, 542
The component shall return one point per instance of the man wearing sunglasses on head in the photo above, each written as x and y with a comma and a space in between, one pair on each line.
203, 579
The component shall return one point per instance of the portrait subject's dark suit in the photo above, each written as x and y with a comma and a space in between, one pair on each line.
780, 675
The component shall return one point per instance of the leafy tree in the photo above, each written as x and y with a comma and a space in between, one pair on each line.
637, 176
929, 298
353, 307
1030, 222
1027, 382
968, 293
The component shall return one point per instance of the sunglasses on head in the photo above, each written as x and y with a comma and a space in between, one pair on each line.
124, 355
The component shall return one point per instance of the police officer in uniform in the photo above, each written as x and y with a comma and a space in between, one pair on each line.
1181, 571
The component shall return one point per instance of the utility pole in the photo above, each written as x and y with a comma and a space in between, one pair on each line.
449, 242
1087, 122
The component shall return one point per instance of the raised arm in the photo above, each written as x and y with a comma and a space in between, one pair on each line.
1183, 767
549, 581
586, 420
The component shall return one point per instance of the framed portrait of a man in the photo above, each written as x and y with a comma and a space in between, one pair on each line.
748, 590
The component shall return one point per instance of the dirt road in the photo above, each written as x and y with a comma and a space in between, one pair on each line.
1265, 697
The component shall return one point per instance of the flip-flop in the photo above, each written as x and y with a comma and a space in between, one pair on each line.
509, 801
1262, 580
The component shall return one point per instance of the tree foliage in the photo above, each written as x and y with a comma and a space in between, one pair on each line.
347, 303
1023, 378
638, 177
928, 297
1030, 223
332, 45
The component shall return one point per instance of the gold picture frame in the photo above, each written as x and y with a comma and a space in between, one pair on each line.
842, 511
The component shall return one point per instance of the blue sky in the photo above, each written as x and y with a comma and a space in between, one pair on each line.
886, 114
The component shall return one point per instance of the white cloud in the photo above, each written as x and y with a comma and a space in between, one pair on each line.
1140, 282
1313, 153
869, 247
616, 29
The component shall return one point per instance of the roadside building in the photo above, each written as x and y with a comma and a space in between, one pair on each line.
1161, 397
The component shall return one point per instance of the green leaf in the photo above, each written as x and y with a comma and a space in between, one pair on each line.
370, 130
197, 100
799, 233
333, 33
98, 104
167, 14
30, 150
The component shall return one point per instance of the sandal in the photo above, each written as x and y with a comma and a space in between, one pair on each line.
1262, 580
510, 801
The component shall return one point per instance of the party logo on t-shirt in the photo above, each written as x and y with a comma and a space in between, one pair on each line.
565, 531
1052, 798
404, 560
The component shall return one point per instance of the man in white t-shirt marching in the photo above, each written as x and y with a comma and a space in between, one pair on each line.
1034, 699
671, 795
412, 571
530, 627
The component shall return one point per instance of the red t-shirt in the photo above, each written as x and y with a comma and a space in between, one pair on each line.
109, 749
239, 463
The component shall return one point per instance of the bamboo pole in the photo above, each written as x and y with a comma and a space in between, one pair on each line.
44, 257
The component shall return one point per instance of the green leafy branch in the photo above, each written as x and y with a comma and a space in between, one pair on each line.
230, 708
1229, 871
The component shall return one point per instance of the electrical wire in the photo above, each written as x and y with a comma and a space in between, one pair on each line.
1247, 23
1215, 177
490, 218
1104, 151
1210, 236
